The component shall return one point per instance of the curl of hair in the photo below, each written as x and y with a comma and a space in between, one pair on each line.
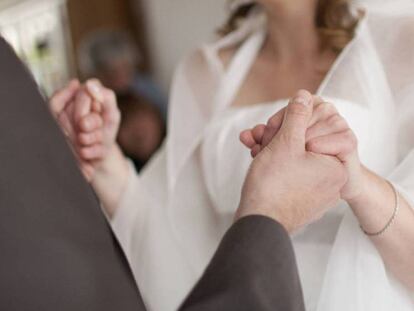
335, 20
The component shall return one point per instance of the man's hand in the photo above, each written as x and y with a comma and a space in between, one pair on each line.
286, 182
328, 133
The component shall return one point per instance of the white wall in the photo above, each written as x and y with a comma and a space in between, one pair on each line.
177, 26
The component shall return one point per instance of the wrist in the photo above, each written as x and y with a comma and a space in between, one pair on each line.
111, 178
113, 169
113, 160
273, 212
374, 189
363, 194
376, 203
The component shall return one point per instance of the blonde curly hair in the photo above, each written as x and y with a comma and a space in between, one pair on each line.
335, 21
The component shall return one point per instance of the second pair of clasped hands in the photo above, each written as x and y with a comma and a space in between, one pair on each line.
305, 157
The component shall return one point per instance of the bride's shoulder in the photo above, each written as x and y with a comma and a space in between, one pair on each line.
392, 15
217, 55
226, 54
392, 28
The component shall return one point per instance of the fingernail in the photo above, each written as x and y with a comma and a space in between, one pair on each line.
95, 89
301, 101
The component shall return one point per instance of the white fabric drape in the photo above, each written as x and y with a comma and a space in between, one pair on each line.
173, 216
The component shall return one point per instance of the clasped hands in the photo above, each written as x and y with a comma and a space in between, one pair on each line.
318, 160
305, 157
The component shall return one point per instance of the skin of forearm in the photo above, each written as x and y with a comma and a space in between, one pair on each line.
110, 180
374, 208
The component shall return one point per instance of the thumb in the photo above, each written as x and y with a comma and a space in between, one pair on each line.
61, 99
83, 104
105, 101
297, 117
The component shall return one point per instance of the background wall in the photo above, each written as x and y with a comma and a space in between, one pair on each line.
175, 27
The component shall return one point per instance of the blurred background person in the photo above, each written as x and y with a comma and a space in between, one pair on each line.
114, 58
142, 129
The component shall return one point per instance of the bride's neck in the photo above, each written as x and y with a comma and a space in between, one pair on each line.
292, 32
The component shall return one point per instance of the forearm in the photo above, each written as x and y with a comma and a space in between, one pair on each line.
110, 180
374, 208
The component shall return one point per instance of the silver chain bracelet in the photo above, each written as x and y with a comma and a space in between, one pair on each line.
394, 215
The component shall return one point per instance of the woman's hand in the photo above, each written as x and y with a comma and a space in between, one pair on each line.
89, 116
97, 119
328, 133
62, 106
287, 183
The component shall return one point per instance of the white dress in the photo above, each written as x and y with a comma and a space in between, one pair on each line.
172, 217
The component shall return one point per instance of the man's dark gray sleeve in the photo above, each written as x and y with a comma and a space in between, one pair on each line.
254, 268
57, 251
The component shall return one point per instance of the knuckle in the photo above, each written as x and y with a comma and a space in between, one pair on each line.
116, 116
324, 105
338, 175
92, 118
82, 138
97, 120
319, 107
83, 124
297, 110
342, 177
351, 139
86, 140
268, 149
317, 99
325, 109
274, 121
54, 104
286, 141
86, 124
312, 145
89, 138
303, 93
336, 121
110, 94
329, 107
258, 128
94, 80
84, 153
52, 100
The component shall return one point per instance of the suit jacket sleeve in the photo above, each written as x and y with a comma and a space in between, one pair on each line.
57, 250
254, 268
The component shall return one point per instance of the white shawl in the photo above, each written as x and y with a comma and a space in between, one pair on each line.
168, 234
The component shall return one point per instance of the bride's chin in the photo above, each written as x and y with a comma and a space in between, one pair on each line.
273, 3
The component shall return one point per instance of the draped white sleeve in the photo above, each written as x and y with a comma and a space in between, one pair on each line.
356, 277
147, 237
137, 201
162, 263
403, 175
167, 223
